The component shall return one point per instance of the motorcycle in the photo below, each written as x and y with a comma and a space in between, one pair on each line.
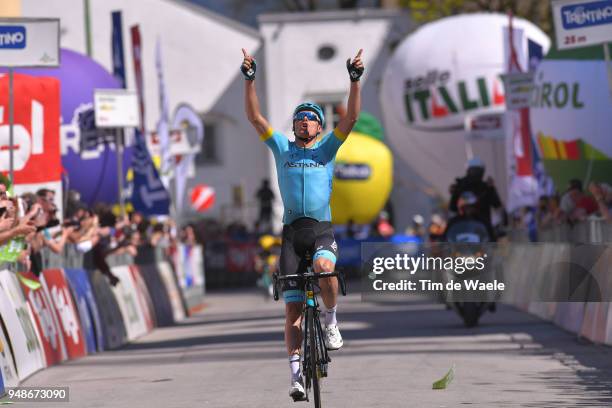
467, 238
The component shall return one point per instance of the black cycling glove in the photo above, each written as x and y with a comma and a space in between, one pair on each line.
354, 72
249, 74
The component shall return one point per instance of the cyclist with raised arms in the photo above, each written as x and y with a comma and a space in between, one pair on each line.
305, 168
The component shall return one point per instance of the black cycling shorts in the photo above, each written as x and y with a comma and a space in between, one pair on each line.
302, 236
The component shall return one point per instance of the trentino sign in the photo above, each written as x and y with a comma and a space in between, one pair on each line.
12, 37
29, 42
579, 23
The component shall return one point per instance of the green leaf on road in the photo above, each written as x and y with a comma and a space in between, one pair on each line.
442, 383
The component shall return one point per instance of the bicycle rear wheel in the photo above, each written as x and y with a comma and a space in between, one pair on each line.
314, 356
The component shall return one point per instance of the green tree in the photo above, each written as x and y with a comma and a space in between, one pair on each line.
536, 11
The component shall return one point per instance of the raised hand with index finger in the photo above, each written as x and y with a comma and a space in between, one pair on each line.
248, 66
355, 68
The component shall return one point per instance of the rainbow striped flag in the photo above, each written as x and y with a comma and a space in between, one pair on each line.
577, 149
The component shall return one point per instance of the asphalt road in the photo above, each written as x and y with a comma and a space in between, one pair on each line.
232, 355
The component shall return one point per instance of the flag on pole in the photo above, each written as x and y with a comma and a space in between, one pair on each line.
185, 114
148, 195
522, 186
536, 54
117, 45
163, 131
137, 57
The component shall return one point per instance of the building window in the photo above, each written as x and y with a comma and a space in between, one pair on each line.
326, 52
333, 111
210, 152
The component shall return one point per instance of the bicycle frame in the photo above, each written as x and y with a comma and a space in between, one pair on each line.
310, 312
311, 302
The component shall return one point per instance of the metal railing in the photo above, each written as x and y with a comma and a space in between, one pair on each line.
592, 231
71, 258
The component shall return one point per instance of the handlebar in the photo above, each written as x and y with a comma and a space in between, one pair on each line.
309, 276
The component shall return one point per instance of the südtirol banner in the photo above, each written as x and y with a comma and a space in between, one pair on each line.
442, 73
570, 120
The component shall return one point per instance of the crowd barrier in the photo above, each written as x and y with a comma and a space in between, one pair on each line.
70, 309
230, 263
585, 250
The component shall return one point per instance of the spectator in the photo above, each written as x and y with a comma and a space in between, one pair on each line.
469, 225
265, 196
575, 204
98, 233
485, 192
417, 228
140, 223
350, 229
46, 198
86, 236
436, 228
57, 241
546, 186
73, 203
188, 235
382, 225
542, 210
160, 235
10, 225
53, 238
602, 193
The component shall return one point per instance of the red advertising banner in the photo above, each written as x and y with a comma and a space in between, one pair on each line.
240, 257
44, 317
524, 155
57, 288
36, 141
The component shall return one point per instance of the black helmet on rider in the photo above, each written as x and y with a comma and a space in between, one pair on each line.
475, 169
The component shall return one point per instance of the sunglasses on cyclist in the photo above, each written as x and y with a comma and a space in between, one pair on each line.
306, 114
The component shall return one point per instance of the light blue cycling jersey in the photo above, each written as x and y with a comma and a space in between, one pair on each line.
305, 174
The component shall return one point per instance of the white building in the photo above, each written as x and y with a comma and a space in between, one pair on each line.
302, 57
201, 54
306, 57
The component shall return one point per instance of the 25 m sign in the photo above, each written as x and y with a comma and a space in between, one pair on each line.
580, 23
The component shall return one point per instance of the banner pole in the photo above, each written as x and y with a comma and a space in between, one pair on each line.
87, 18
11, 122
606, 48
119, 146
177, 210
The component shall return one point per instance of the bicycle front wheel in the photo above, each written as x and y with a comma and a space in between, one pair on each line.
313, 353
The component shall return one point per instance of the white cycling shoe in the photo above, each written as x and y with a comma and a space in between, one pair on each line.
296, 391
333, 339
